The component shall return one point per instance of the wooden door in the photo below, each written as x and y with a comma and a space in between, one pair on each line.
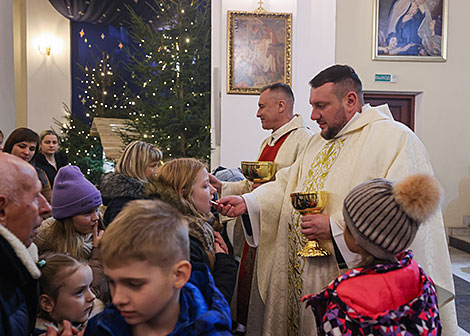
402, 106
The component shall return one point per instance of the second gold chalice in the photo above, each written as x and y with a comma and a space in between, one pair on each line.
308, 203
259, 171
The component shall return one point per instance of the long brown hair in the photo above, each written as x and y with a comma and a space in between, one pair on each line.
180, 174
62, 238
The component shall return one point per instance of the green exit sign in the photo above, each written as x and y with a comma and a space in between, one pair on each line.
390, 78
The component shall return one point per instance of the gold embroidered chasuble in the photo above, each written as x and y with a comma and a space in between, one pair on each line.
374, 146
315, 181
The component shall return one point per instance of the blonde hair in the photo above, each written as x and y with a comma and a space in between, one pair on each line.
180, 174
43, 135
146, 230
136, 158
57, 268
63, 238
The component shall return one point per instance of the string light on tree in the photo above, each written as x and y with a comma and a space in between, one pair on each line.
174, 107
102, 96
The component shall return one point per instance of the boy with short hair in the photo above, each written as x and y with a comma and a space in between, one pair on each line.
145, 254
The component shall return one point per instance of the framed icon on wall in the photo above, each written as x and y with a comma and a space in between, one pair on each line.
410, 30
258, 50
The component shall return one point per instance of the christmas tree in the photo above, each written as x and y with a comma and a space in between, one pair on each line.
168, 96
102, 93
83, 150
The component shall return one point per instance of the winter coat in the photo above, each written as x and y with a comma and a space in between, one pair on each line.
41, 162
223, 266
90, 254
19, 291
203, 311
386, 299
116, 190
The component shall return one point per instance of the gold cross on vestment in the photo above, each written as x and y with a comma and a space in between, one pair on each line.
260, 8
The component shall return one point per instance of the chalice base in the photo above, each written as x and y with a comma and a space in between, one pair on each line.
313, 249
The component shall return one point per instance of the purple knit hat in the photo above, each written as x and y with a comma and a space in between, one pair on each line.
73, 194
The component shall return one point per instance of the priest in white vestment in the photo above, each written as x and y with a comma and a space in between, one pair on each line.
356, 143
289, 136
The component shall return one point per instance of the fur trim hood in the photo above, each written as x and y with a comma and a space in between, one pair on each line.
21, 251
118, 185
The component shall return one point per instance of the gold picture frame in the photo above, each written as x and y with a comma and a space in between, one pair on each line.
259, 46
410, 30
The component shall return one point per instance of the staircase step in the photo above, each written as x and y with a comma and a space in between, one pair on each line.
461, 242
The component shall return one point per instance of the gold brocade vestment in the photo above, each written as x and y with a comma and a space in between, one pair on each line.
315, 180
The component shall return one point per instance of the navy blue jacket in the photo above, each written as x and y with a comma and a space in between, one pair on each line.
203, 311
19, 293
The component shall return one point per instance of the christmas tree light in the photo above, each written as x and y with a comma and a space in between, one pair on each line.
170, 108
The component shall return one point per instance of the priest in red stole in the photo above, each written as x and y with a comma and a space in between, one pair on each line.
287, 140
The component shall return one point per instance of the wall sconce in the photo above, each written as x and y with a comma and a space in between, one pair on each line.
44, 49
48, 44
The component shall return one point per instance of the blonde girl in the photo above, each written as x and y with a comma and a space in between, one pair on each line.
75, 226
65, 292
184, 184
137, 164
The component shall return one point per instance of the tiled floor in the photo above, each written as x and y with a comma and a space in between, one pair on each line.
461, 268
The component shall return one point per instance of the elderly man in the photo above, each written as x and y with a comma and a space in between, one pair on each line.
357, 142
287, 140
21, 210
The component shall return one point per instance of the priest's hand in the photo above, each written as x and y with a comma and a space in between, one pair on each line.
316, 226
215, 182
231, 206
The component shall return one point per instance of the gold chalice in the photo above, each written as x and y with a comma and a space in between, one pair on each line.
259, 171
308, 203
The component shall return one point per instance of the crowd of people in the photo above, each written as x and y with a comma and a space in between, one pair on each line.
164, 247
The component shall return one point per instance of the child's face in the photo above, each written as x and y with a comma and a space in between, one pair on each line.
75, 299
84, 223
150, 170
202, 192
143, 293
350, 241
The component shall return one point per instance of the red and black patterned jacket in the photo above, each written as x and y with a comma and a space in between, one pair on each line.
392, 299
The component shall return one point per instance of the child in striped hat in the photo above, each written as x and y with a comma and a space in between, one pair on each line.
388, 293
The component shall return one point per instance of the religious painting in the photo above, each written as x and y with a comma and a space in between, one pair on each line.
259, 50
410, 30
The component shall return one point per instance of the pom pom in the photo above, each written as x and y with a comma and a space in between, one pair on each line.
419, 195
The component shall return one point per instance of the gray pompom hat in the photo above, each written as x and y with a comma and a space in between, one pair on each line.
384, 217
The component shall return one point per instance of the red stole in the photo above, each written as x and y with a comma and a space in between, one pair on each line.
269, 152
245, 275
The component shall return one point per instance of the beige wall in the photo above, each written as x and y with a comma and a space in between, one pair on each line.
7, 94
442, 115
240, 132
49, 78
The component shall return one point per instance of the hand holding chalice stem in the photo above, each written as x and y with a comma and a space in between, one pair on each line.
308, 203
